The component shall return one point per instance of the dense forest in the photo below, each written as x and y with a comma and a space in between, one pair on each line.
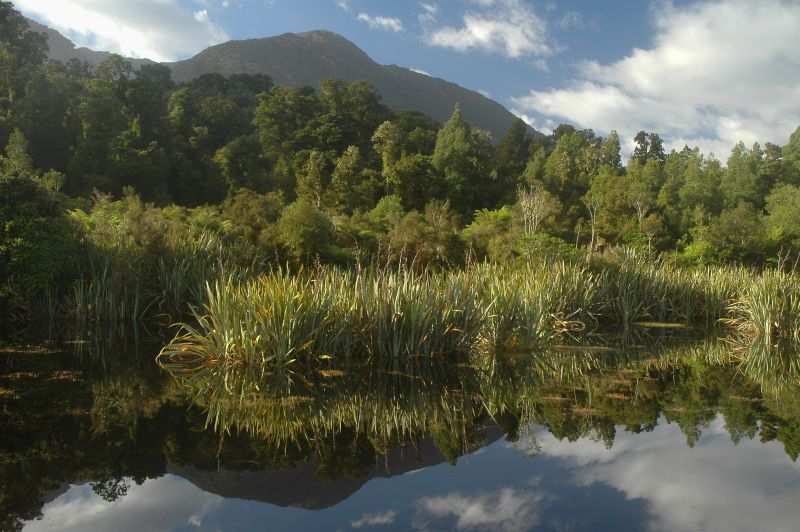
112, 169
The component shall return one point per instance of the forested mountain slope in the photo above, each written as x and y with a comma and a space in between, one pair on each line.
297, 60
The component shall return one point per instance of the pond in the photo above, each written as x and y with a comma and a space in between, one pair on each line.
673, 436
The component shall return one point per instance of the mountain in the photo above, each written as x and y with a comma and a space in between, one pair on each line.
301, 486
299, 59
62, 49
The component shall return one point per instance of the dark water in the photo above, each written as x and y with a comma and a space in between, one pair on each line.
567, 440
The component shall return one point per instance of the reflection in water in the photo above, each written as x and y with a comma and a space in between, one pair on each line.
595, 437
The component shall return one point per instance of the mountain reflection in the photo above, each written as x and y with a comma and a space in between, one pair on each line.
312, 437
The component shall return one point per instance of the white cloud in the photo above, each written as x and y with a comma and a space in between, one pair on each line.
572, 19
544, 126
343, 4
718, 72
157, 29
715, 486
507, 27
420, 71
505, 509
161, 504
385, 518
381, 22
484, 92
429, 13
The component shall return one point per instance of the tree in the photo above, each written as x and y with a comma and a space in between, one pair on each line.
739, 233
452, 157
282, 117
253, 215
593, 201
489, 234
305, 231
240, 164
536, 205
742, 180
511, 156
416, 181
791, 159
345, 180
648, 146
610, 153
22, 55
312, 178
102, 114
782, 220
37, 247
652, 226
607, 204
640, 199
700, 186
386, 141
147, 97
16, 163
534, 170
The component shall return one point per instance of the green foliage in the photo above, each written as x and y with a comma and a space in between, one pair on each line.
305, 231
16, 163
538, 246
489, 234
37, 246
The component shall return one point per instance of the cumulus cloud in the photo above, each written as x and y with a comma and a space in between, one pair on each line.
505, 509
715, 486
543, 125
507, 27
717, 72
378, 22
156, 29
343, 4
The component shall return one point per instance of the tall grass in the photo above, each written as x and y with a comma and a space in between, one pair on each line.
530, 307
769, 309
278, 318
637, 288
405, 314
766, 320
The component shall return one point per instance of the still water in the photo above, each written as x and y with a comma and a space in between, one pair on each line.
567, 440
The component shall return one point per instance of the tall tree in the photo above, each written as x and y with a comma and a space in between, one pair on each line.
742, 180
16, 164
452, 157
511, 157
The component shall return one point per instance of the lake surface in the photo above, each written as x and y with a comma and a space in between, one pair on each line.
572, 439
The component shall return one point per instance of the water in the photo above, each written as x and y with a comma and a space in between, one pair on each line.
568, 440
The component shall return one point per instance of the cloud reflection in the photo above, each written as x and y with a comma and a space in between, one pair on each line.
715, 486
161, 504
506, 509
385, 518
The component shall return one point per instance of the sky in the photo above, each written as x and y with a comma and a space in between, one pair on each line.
700, 73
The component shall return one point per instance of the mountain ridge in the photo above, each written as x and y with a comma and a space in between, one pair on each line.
298, 59
303, 59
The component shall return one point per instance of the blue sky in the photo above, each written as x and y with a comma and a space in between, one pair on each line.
706, 72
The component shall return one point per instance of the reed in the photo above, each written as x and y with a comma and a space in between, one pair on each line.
769, 309
766, 322
404, 314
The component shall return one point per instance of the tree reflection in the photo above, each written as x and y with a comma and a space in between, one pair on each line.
120, 424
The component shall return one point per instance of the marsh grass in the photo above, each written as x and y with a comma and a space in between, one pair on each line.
403, 314
280, 318
766, 322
